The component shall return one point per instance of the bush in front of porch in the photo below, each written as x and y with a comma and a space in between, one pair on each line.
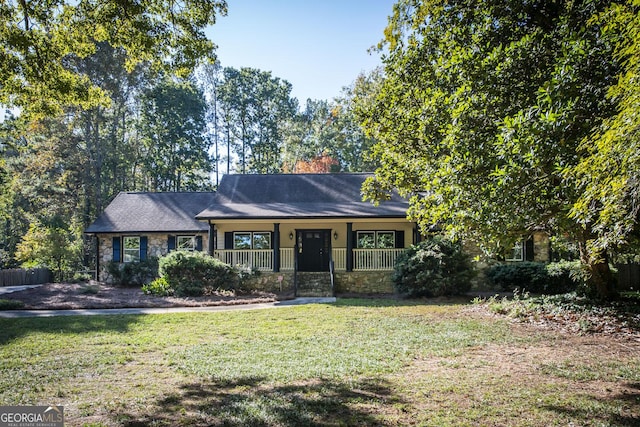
433, 268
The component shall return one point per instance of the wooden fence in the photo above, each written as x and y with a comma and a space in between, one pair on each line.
628, 276
21, 276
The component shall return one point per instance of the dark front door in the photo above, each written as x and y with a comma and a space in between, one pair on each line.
314, 250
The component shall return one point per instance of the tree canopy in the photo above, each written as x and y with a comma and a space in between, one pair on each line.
38, 38
489, 113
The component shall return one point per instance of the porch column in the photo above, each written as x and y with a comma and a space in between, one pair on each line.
349, 246
276, 247
212, 238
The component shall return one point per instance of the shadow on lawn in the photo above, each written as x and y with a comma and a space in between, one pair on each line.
11, 329
255, 402
628, 415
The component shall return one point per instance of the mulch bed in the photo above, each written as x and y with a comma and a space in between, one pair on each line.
63, 296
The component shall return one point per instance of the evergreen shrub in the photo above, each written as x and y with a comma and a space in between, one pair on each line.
196, 273
435, 267
136, 273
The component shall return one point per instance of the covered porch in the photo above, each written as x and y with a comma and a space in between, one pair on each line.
264, 259
311, 246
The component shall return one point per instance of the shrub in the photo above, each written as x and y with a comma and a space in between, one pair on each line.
433, 268
159, 287
536, 277
195, 273
531, 276
133, 273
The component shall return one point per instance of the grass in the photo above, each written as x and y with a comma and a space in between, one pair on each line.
357, 362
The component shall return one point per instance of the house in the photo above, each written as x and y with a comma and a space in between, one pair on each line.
300, 231
277, 224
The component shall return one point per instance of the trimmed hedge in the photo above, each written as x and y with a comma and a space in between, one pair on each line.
435, 267
196, 273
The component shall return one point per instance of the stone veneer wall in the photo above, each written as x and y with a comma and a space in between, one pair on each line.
357, 282
157, 246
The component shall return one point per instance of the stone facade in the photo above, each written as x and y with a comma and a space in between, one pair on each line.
157, 246
356, 282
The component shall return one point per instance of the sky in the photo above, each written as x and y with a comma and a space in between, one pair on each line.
319, 46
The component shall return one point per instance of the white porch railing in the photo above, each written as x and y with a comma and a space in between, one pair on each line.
339, 256
260, 259
375, 259
286, 259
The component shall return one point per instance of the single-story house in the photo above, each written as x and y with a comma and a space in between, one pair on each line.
297, 229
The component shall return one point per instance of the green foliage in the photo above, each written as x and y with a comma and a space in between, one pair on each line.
159, 287
536, 277
52, 246
487, 116
39, 38
196, 273
435, 267
135, 273
172, 128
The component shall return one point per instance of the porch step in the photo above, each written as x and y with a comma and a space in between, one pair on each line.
314, 284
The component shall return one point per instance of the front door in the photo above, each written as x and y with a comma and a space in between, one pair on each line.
314, 250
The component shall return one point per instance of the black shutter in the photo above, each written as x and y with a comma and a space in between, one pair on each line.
116, 249
228, 240
171, 243
399, 239
528, 249
199, 243
354, 237
143, 248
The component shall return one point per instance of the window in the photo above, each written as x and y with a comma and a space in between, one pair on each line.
376, 239
516, 253
131, 251
186, 243
252, 240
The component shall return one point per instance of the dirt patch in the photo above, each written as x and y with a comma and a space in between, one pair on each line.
62, 296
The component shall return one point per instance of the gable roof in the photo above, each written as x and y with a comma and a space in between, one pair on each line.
291, 196
131, 212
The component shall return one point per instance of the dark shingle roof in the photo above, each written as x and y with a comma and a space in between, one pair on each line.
298, 196
153, 212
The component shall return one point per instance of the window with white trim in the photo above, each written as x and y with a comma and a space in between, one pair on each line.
131, 248
186, 243
516, 253
252, 240
376, 240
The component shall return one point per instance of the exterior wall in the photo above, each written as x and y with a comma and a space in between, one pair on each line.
357, 282
364, 282
541, 245
157, 246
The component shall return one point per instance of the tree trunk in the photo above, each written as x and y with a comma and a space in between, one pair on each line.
600, 277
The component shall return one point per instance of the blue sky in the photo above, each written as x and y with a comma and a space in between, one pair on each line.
319, 46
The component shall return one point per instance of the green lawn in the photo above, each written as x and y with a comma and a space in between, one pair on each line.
357, 362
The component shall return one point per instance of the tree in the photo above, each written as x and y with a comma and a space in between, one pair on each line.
176, 153
610, 170
255, 107
39, 37
483, 112
50, 245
